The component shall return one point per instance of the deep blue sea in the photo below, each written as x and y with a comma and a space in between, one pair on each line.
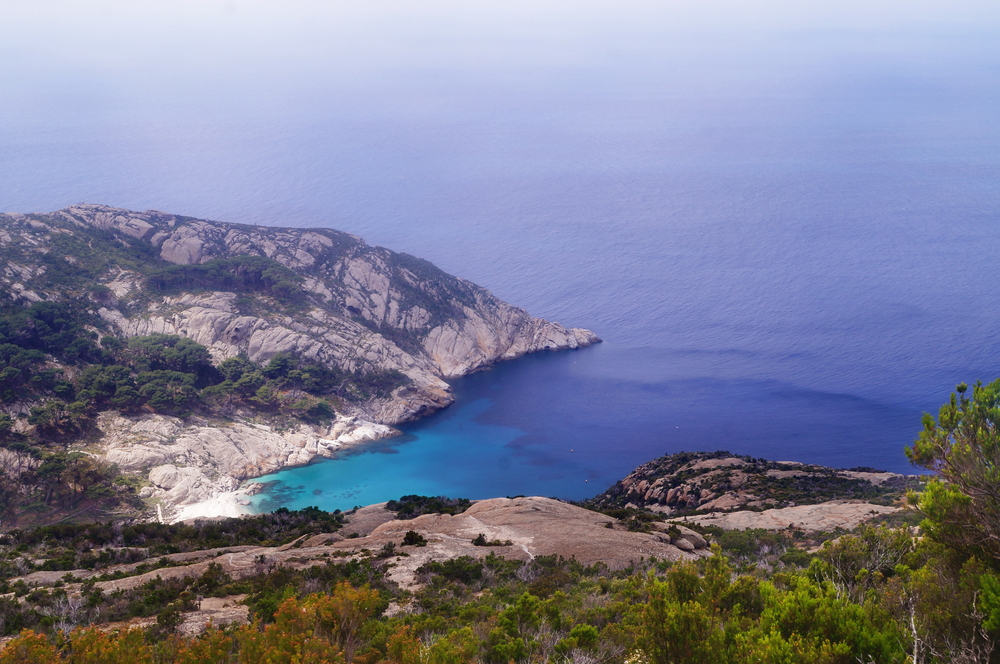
781, 217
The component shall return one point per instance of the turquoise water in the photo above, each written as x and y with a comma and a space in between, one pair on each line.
437, 460
782, 217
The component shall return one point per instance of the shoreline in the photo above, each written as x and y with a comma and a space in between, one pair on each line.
236, 503
233, 503
226, 504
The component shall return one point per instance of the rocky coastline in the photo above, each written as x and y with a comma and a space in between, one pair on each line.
735, 492
198, 469
323, 296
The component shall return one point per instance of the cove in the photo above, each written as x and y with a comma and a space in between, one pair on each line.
453, 454
570, 424
781, 217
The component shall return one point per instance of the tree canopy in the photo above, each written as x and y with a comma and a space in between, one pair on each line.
962, 447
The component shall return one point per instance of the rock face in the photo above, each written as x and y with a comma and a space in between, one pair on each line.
543, 526
359, 308
189, 463
826, 516
534, 526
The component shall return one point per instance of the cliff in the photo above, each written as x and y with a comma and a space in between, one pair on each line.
359, 308
385, 330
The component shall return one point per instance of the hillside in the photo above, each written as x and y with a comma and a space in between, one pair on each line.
401, 540
433, 580
193, 354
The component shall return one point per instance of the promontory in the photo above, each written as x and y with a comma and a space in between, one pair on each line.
195, 354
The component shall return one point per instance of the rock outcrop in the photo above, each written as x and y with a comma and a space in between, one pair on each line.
189, 463
699, 482
826, 516
357, 308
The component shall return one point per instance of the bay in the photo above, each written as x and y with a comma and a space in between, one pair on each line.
559, 424
781, 217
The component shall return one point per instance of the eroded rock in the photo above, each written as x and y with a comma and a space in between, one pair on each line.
826, 516
193, 462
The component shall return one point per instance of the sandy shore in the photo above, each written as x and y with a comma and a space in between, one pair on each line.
225, 504
236, 503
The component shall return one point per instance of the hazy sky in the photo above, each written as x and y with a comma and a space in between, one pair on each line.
199, 39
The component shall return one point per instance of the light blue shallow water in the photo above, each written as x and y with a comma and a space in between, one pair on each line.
781, 217
438, 461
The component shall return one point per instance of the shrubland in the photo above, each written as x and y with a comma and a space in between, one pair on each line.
871, 597
882, 593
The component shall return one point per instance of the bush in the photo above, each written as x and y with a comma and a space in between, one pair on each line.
412, 506
463, 569
240, 274
413, 538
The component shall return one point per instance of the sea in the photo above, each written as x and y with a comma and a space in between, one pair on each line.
781, 217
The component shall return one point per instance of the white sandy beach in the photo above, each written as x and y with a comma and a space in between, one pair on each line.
235, 503
225, 504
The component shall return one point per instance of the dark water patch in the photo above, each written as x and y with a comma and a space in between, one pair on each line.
278, 494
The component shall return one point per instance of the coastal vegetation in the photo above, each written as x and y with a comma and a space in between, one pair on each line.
64, 374
410, 507
239, 274
50, 355
854, 601
878, 594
